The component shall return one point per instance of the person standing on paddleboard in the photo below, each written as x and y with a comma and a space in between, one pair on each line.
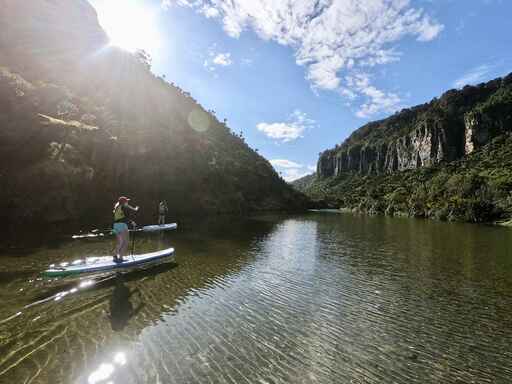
122, 212
162, 211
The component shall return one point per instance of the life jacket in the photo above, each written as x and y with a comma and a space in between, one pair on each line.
118, 213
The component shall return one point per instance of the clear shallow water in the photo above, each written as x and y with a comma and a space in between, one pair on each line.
316, 298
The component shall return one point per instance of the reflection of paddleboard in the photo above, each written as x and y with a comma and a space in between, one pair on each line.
106, 263
88, 235
146, 228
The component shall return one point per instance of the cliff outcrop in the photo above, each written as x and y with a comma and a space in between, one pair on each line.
449, 159
82, 122
443, 130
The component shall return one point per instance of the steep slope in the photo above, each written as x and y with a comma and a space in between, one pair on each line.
447, 159
82, 122
443, 130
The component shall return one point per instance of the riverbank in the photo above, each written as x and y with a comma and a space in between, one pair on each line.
473, 189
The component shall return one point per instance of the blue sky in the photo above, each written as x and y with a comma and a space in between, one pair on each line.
299, 76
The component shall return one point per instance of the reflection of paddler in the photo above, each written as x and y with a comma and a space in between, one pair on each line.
121, 308
162, 211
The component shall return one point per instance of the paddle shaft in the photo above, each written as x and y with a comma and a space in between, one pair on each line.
133, 241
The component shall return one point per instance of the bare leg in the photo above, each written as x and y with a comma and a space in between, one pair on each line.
119, 245
126, 239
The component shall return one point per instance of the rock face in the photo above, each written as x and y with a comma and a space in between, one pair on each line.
441, 131
82, 123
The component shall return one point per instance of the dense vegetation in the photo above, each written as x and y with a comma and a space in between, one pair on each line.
82, 123
452, 106
476, 187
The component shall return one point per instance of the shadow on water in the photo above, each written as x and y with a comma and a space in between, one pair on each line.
121, 307
120, 297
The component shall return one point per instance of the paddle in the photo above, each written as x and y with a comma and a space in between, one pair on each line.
133, 236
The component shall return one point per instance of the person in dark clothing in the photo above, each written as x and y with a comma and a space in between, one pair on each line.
122, 212
162, 211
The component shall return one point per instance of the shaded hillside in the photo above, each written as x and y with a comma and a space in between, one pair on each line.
448, 159
81, 123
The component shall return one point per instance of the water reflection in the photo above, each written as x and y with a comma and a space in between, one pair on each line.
304, 299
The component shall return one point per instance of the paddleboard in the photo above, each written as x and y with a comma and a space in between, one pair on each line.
106, 263
155, 228
146, 228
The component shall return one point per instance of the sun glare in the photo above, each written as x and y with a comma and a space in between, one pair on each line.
129, 24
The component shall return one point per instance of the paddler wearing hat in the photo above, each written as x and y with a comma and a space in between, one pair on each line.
120, 228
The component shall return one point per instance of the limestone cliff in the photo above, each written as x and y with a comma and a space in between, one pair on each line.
82, 122
445, 129
448, 159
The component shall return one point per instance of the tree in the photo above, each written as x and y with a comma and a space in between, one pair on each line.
144, 58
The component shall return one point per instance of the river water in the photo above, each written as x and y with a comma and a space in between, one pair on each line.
317, 298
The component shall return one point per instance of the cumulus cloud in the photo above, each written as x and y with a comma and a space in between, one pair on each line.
283, 163
223, 59
217, 59
291, 170
331, 38
166, 4
474, 76
210, 12
376, 100
291, 130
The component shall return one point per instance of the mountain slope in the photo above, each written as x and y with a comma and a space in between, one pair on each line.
447, 159
82, 122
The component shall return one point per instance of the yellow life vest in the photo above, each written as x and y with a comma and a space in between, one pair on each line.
118, 212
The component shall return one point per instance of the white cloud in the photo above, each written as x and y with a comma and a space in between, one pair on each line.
281, 131
291, 170
223, 59
283, 163
166, 4
474, 76
331, 38
293, 174
217, 59
376, 99
287, 131
210, 12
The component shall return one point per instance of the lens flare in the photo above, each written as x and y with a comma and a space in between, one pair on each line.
199, 120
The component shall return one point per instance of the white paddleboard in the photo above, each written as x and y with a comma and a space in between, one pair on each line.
146, 228
106, 263
155, 228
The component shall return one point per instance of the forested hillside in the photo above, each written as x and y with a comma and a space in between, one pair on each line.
82, 122
447, 159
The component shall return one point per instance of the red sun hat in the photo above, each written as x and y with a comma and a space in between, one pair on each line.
123, 199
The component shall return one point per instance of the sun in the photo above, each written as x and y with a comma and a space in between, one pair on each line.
129, 24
